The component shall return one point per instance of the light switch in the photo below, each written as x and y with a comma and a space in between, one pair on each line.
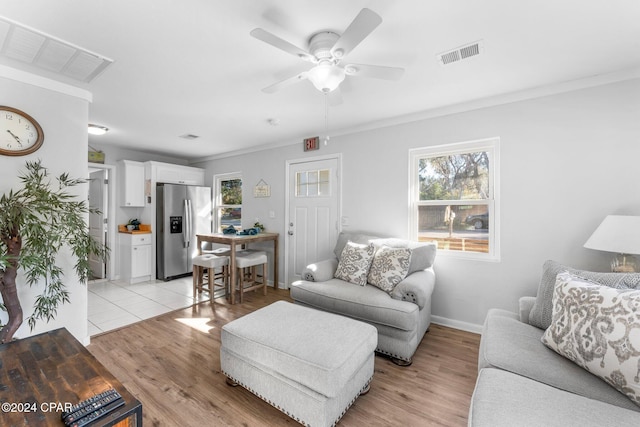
272, 214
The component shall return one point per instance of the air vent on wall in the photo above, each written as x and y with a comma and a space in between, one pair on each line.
460, 53
42, 50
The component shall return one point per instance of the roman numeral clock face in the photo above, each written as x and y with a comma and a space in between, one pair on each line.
20, 134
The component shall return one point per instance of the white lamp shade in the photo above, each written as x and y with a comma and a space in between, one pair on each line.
617, 233
326, 77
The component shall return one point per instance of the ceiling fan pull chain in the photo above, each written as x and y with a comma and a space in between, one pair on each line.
326, 118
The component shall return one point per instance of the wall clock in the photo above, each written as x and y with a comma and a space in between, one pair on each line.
20, 134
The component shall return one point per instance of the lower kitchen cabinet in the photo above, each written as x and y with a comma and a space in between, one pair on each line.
135, 257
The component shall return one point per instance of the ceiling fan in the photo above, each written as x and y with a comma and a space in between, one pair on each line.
327, 50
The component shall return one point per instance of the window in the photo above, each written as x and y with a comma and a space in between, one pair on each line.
313, 183
454, 198
228, 201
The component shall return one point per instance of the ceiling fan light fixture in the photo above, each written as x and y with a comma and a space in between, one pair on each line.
326, 77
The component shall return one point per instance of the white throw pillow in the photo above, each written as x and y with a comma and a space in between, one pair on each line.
354, 263
389, 267
598, 328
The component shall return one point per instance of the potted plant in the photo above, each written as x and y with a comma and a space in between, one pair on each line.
36, 222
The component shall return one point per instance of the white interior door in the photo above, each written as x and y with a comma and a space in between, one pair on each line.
312, 226
97, 223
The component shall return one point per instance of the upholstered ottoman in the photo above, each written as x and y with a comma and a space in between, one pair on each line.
309, 364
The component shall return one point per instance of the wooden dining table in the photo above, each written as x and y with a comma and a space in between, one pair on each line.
233, 240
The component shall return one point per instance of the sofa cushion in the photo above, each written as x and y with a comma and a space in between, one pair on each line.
423, 254
344, 237
389, 267
540, 315
502, 399
366, 303
354, 263
514, 346
598, 328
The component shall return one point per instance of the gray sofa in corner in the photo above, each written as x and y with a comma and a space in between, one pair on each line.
401, 317
521, 382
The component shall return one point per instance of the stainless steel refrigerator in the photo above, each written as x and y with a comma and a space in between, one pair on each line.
182, 211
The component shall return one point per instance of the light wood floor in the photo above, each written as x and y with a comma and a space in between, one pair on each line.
171, 363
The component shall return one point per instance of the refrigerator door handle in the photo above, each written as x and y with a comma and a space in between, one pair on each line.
185, 229
190, 217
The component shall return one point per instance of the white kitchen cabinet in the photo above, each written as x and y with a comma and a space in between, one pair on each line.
135, 257
131, 184
177, 174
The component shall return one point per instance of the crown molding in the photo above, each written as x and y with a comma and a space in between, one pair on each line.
507, 98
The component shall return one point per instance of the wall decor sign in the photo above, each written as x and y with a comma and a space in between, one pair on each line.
311, 143
262, 189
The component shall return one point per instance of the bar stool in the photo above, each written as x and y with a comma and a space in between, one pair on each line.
207, 248
248, 280
209, 262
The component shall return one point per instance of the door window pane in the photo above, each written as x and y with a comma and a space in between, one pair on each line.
313, 183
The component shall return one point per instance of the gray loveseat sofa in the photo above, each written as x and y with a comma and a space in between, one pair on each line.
401, 316
521, 382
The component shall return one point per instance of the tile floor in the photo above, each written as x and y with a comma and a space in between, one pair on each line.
114, 304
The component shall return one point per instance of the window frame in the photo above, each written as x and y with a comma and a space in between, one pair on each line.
217, 200
492, 147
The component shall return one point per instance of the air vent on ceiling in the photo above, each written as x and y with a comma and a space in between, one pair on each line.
42, 50
189, 136
460, 53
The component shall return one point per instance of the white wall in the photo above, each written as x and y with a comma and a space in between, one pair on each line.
64, 121
567, 161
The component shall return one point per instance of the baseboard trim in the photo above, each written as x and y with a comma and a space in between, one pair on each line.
457, 324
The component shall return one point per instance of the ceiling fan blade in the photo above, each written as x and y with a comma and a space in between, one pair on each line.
281, 44
373, 71
286, 82
363, 24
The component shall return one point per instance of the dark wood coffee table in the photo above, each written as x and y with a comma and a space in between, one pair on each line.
43, 374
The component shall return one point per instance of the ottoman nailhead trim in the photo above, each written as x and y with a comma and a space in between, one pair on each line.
393, 355
344, 411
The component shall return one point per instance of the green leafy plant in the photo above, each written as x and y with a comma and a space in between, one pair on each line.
36, 223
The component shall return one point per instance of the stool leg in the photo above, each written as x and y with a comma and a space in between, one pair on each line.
265, 274
212, 275
195, 279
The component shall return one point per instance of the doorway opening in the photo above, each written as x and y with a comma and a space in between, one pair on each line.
101, 225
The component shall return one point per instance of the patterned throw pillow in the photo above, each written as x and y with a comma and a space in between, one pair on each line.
354, 263
598, 328
389, 267
541, 312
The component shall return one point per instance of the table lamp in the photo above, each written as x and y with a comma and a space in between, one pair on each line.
619, 234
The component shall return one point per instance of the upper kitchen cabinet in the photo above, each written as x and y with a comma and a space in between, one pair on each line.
131, 184
175, 174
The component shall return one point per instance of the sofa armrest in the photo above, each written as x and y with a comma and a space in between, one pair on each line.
525, 305
320, 271
416, 287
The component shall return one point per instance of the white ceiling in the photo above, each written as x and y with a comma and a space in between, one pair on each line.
191, 67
